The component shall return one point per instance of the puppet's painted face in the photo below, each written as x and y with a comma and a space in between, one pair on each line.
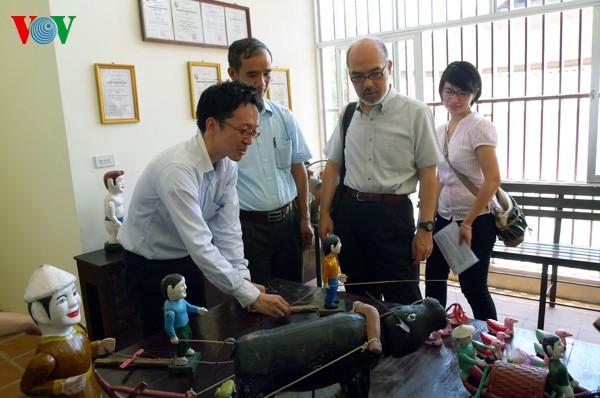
557, 350
179, 291
119, 184
64, 307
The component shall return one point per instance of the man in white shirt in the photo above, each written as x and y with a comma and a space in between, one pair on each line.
184, 213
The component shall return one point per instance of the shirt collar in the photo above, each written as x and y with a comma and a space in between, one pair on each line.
268, 106
383, 105
206, 165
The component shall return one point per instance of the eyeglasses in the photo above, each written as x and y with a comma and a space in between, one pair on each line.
245, 134
371, 76
448, 92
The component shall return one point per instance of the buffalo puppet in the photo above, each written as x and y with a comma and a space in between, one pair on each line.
268, 360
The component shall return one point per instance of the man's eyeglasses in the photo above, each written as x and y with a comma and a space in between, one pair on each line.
371, 76
448, 92
245, 134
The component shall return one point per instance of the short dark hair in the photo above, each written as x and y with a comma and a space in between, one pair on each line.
244, 48
328, 241
464, 75
222, 99
170, 280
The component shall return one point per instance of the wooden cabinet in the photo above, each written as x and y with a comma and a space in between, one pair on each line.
108, 312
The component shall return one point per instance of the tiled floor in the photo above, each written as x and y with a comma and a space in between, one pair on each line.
17, 351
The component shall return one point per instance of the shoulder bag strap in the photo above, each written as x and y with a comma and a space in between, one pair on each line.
346, 119
463, 178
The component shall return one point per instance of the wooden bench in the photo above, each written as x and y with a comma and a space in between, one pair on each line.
554, 207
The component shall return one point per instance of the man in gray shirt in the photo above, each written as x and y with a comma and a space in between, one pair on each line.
390, 146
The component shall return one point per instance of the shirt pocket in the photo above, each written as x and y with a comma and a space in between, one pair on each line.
283, 153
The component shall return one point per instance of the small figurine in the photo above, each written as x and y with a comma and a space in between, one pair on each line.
227, 390
507, 327
456, 314
559, 378
435, 338
561, 333
114, 209
487, 338
470, 365
495, 353
176, 316
331, 270
63, 361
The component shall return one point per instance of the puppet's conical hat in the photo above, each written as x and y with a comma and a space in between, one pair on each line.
45, 281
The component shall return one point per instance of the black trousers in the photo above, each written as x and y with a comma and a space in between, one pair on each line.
274, 249
142, 281
473, 281
377, 246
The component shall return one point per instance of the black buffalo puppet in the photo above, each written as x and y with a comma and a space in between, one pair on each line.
268, 360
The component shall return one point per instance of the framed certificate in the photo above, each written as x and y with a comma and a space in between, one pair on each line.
117, 93
204, 23
279, 88
201, 76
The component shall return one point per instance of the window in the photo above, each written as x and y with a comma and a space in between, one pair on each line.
539, 60
540, 64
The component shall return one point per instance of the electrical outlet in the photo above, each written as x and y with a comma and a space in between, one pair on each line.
104, 161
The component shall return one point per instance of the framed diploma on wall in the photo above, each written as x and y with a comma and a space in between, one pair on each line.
117, 93
201, 76
279, 89
204, 23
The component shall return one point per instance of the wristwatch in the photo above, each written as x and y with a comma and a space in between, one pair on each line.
427, 225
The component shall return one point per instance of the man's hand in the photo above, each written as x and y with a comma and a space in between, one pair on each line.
174, 340
343, 278
307, 233
325, 225
202, 310
422, 245
261, 288
272, 305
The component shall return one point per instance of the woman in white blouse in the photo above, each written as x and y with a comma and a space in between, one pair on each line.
469, 143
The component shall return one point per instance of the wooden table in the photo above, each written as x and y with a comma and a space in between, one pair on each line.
429, 372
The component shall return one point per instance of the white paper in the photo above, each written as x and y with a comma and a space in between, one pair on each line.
213, 24
237, 26
187, 22
157, 19
459, 258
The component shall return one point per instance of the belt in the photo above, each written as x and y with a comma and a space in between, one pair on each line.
375, 197
266, 216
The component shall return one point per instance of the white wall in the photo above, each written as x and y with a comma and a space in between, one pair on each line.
55, 200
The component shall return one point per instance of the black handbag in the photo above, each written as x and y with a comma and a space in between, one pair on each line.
510, 219
341, 189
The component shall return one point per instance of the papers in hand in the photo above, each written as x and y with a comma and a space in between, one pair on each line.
459, 258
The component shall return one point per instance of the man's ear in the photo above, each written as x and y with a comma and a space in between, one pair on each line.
231, 73
110, 182
211, 125
169, 291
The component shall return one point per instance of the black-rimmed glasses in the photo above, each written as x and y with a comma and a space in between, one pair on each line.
245, 134
371, 76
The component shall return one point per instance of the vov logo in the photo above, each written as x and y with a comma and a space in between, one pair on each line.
43, 30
